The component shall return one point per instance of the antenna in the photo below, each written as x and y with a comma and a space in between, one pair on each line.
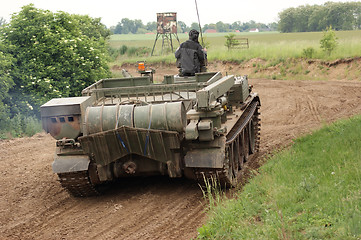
199, 23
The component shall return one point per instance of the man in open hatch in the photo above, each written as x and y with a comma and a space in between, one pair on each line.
191, 57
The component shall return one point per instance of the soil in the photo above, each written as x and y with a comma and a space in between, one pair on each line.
34, 206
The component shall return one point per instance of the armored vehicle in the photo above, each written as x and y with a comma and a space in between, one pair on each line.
194, 127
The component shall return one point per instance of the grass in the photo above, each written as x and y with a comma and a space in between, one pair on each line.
310, 191
265, 45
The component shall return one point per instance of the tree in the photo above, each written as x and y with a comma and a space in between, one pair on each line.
287, 20
151, 26
2, 21
221, 27
356, 12
6, 82
317, 19
231, 41
195, 26
127, 25
236, 26
329, 41
209, 26
342, 16
182, 27
273, 26
56, 55
118, 29
138, 24
302, 14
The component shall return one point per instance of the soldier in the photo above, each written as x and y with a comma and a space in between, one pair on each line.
191, 57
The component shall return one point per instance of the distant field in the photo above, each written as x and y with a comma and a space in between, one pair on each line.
266, 45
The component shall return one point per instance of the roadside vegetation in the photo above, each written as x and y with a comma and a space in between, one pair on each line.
45, 55
266, 45
308, 191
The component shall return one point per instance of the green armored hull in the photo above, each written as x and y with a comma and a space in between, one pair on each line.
194, 127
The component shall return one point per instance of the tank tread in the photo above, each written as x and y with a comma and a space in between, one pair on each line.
78, 184
205, 174
222, 175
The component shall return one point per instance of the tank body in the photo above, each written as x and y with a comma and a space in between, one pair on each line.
194, 127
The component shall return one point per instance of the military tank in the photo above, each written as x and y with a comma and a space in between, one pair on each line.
196, 127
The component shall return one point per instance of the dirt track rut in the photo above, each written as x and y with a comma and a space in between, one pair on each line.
34, 206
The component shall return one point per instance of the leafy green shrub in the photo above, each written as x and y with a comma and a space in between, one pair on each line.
231, 42
6, 82
57, 55
132, 51
113, 53
138, 51
329, 41
20, 126
32, 126
308, 52
123, 49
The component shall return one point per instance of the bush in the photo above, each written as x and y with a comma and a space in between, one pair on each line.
20, 126
138, 51
329, 41
123, 49
231, 42
308, 52
6, 82
130, 51
57, 55
113, 53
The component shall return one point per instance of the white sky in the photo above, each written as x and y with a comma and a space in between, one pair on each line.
211, 11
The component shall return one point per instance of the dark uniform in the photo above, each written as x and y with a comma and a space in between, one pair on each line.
190, 56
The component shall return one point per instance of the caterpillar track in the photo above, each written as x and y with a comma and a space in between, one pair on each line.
78, 184
241, 145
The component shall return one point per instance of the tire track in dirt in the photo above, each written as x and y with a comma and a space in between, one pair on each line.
34, 206
314, 109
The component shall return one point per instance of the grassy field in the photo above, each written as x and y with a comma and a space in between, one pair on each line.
310, 191
265, 45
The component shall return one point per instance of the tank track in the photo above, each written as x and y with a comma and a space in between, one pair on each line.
78, 184
202, 174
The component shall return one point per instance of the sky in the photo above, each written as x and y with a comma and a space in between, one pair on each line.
210, 11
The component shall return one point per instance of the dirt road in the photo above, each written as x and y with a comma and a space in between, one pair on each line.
34, 206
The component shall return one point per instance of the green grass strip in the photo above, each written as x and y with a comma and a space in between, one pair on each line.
310, 191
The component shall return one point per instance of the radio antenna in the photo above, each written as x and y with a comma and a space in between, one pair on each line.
199, 23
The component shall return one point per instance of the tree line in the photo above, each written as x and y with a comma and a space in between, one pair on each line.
310, 18
306, 18
126, 26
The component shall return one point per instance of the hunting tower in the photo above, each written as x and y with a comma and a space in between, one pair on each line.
166, 27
